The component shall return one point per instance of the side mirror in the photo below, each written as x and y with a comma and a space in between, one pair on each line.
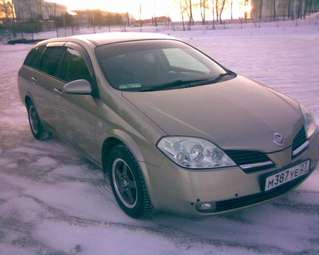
78, 87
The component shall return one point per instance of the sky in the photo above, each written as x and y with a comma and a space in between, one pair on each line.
150, 8
162, 7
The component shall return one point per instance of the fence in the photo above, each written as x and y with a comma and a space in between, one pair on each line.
30, 31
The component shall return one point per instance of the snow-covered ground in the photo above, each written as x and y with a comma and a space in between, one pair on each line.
52, 201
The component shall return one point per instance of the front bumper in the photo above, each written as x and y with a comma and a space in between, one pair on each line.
180, 191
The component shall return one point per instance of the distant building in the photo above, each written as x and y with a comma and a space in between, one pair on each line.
154, 21
99, 17
37, 9
53, 10
283, 8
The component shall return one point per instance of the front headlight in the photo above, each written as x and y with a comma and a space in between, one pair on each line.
310, 124
194, 153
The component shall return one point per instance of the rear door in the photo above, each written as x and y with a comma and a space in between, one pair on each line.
29, 75
80, 111
50, 84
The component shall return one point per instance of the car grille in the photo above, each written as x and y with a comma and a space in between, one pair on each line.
300, 143
250, 161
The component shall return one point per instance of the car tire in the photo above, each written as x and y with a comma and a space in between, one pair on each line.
126, 178
36, 126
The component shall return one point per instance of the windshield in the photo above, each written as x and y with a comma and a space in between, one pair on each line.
156, 65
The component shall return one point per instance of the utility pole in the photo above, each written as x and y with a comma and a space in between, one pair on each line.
231, 10
154, 15
55, 18
140, 14
213, 5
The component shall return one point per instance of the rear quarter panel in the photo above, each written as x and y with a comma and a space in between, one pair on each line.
24, 82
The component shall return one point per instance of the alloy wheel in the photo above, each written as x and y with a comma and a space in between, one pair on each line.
34, 120
124, 183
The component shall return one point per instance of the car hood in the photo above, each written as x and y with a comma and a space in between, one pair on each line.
234, 114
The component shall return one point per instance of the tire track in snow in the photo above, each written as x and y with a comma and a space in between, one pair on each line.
181, 238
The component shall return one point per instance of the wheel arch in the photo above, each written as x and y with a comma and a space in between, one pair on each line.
107, 146
28, 100
120, 137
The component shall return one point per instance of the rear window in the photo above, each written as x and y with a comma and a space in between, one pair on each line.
34, 57
51, 59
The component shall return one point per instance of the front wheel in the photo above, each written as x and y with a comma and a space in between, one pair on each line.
128, 183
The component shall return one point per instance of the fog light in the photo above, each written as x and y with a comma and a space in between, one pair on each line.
205, 206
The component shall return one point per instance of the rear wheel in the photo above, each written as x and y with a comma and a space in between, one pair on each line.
128, 183
36, 126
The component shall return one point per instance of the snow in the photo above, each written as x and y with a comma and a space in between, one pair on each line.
53, 201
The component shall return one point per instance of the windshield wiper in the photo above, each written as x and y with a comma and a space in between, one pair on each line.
174, 84
219, 77
187, 83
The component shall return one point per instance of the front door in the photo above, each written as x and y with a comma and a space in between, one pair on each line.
79, 111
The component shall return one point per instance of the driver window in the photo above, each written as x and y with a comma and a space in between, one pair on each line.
75, 67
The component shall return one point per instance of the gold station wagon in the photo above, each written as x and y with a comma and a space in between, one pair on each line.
171, 128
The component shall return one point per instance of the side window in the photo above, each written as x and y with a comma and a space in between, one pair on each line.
181, 59
30, 57
75, 67
34, 57
50, 60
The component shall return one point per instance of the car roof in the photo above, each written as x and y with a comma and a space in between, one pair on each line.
111, 37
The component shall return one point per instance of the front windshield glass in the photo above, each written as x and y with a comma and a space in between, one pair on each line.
156, 65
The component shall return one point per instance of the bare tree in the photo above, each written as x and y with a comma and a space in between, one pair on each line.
7, 8
56, 25
221, 10
140, 16
3, 7
154, 18
128, 19
213, 7
189, 5
261, 6
305, 8
308, 7
182, 11
217, 2
231, 9
203, 4
274, 9
290, 9
41, 12
299, 15
246, 12
219, 6
186, 8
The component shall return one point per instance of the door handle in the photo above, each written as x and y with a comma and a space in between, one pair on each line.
59, 91
34, 79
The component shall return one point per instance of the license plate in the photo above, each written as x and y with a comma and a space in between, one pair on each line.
287, 175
